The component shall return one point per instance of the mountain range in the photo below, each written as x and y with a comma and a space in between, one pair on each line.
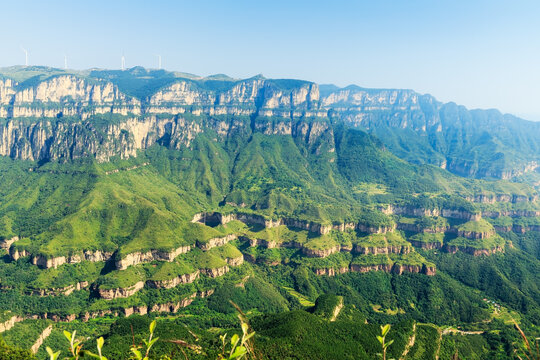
152, 192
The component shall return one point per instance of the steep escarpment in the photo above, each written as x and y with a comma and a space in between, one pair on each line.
311, 226
465, 142
451, 136
53, 262
56, 140
63, 95
259, 96
170, 283
152, 255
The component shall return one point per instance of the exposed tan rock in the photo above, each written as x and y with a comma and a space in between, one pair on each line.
235, 261
213, 273
416, 228
170, 283
367, 268
331, 271
60, 291
390, 249
6, 243
476, 234
46, 263
506, 198
8, 324
398, 269
418, 212
116, 293
39, 341
152, 255
311, 226
512, 213
474, 251
219, 241
16, 254
426, 245
320, 253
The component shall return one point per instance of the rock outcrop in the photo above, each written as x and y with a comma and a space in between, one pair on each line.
393, 268
53, 262
331, 271
8, 324
476, 234
389, 249
16, 254
39, 341
170, 283
418, 212
320, 252
67, 290
506, 198
237, 261
93, 95
426, 245
151, 255
311, 226
214, 242
216, 272
110, 294
474, 251
6, 243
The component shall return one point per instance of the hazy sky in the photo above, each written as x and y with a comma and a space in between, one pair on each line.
483, 54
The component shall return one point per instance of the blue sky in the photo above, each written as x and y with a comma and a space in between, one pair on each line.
483, 54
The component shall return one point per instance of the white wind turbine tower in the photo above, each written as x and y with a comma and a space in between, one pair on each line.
159, 62
123, 65
25, 56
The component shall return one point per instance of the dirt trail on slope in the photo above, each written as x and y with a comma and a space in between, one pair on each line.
410, 344
439, 344
337, 310
44, 335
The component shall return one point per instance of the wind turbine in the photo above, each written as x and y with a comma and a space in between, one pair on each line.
123, 65
159, 62
25, 56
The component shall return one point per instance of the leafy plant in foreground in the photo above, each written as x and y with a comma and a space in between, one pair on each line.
382, 340
151, 341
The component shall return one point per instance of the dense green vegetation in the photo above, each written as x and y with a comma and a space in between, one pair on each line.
324, 217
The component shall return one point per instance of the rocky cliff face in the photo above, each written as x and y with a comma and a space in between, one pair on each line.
48, 136
67, 290
6, 243
322, 253
214, 242
418, 212
474, 251
151, 255
374, 250
8, 324
116, 293
64, 95
214, 273
451, 131
170, 283
311, 226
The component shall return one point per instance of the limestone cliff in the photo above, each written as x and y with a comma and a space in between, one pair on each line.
451, 131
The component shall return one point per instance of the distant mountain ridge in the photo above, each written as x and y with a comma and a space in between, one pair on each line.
415, 127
